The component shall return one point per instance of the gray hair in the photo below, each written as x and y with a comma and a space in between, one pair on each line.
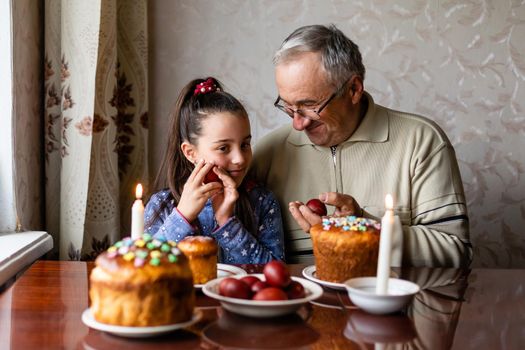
340, 56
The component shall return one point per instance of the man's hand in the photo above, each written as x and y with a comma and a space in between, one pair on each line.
305, 217
344, 204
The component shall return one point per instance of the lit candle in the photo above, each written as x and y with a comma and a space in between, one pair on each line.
137, 214
385, 243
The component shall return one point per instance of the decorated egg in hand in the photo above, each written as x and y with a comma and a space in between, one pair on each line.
211, 176
317, 206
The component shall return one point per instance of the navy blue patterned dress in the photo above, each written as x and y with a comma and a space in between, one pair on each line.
236, 244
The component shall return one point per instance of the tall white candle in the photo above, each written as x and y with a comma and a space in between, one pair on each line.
396, 251
385, 243
137, 214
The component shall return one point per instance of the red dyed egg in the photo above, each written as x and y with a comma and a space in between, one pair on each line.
317, 206
258, 286
276, 274
295, 290
234, 288
271, 293
211, 177
250, 280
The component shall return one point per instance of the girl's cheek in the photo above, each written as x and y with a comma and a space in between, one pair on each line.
219, 161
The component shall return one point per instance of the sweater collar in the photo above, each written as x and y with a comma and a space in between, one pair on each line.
373, 127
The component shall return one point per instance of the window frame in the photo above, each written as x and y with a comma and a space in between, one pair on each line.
7, 193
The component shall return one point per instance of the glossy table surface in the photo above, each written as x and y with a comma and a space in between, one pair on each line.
456, 309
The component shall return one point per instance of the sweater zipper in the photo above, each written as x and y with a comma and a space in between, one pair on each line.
333, 149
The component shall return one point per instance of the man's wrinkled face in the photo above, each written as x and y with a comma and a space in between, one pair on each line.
302, 84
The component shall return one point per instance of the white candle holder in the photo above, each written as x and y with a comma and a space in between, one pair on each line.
362, 292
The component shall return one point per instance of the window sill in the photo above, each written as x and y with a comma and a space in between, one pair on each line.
18, 250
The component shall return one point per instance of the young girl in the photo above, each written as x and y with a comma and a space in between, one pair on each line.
210, 132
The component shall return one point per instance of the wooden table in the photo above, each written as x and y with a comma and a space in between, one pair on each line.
458, 309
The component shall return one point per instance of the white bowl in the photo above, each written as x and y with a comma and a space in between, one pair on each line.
362, 292
262, 308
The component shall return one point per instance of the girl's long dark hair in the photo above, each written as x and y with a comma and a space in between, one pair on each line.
186, 125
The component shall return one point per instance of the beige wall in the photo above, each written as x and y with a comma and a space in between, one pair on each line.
461, 63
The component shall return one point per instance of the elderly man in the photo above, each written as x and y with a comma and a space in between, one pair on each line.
351, 152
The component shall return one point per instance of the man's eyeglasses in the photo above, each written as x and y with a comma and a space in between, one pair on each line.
308, 113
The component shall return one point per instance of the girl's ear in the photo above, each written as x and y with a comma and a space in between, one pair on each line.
189, 151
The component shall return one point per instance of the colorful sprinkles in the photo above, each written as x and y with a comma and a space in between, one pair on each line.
349, 223
145, 250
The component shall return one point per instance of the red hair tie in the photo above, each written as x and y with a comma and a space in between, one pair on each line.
205, 87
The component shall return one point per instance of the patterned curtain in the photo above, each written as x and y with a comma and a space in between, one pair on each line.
96, 121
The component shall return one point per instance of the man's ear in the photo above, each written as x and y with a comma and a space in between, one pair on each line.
189, 151
356, 89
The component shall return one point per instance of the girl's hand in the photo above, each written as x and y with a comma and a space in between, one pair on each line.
224, 202
195, 193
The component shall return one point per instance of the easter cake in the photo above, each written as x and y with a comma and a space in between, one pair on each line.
202, 254
345, 247
142, 282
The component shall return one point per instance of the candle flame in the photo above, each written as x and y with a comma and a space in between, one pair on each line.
389, 202
138, 191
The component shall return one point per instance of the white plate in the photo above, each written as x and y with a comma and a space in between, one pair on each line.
224, 270
262, 308
136, 332
309, 273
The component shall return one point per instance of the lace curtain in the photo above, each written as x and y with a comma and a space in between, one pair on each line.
93, 134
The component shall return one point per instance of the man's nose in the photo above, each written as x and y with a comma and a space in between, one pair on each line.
299, 122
